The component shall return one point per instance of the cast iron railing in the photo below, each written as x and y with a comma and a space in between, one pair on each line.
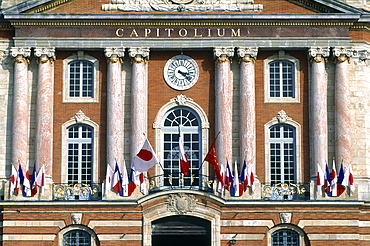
285, 191
77, 192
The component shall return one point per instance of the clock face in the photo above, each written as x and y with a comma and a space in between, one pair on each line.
181, 72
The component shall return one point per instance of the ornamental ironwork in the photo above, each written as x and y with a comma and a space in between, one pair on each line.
285, 191
76, 192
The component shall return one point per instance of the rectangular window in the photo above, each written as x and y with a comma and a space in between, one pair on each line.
81, 79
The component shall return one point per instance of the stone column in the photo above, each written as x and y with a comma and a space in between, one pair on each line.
139, 97
318, 108
223, 96
115, 123
247, 112
342, 105
20, 107
44, 109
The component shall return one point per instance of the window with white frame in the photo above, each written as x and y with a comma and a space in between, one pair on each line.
79, 154
185, 122
282, 79
77, 238
285, 237
80, 78
282, 154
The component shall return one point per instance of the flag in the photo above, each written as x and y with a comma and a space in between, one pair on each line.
132, 184
40, 179
184, 163
250, 176
244, 176
340, 187
228, 177
333, 180
117, 181
108, 179
348, 180
211, 157
320, 179
125, 181
221, 184
145, 159
327, 180
14, 181
24, 180
34, 182
236, 189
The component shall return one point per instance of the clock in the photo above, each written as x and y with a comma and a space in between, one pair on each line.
181, 72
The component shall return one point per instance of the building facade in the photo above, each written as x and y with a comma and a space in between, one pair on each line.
280, 85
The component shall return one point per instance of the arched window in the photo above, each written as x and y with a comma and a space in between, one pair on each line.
81, 79
77, 238
80, 154
282, 154
185, 122
285, 237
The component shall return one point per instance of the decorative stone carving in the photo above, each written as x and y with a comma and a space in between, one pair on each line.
3, 55
361, 57
282, 117
80, 117
181, 100
222, 54
76, 218
285, 217
319, 54
342, 54
139, 54
20, 54
45, 54
182, 5
115, 54
247, 54
181, 203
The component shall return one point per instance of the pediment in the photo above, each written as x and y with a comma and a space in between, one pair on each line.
204, 6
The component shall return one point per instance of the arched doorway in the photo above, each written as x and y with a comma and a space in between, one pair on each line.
181, 230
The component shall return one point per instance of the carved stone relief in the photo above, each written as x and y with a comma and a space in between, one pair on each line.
181, 203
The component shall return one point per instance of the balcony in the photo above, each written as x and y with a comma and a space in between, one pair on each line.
285, 192
77, 192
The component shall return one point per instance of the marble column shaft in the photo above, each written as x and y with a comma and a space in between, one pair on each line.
318, 110
223, 96
342, 106
20, 127
247, 109
44, 109
139, 98
115, 122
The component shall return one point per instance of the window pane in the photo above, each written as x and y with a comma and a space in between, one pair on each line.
285, 237
81, 79
76, 238
281, 79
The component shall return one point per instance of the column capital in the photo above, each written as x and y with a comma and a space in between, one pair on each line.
114, 54
222, 54
247, 54
342, 54
139, 54
45, 54
318, 54
20, 54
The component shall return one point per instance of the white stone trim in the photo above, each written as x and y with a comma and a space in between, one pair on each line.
304, 223
35, 223
29, 237
124, 223
267, 223
243, 237
298, 146
334, 237
80, 56
120, 237
297, 85
289, 227
79, 118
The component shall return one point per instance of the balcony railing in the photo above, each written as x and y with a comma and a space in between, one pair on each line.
162, 182
284, 192
77, 192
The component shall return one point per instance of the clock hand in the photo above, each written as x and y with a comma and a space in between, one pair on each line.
185, 74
